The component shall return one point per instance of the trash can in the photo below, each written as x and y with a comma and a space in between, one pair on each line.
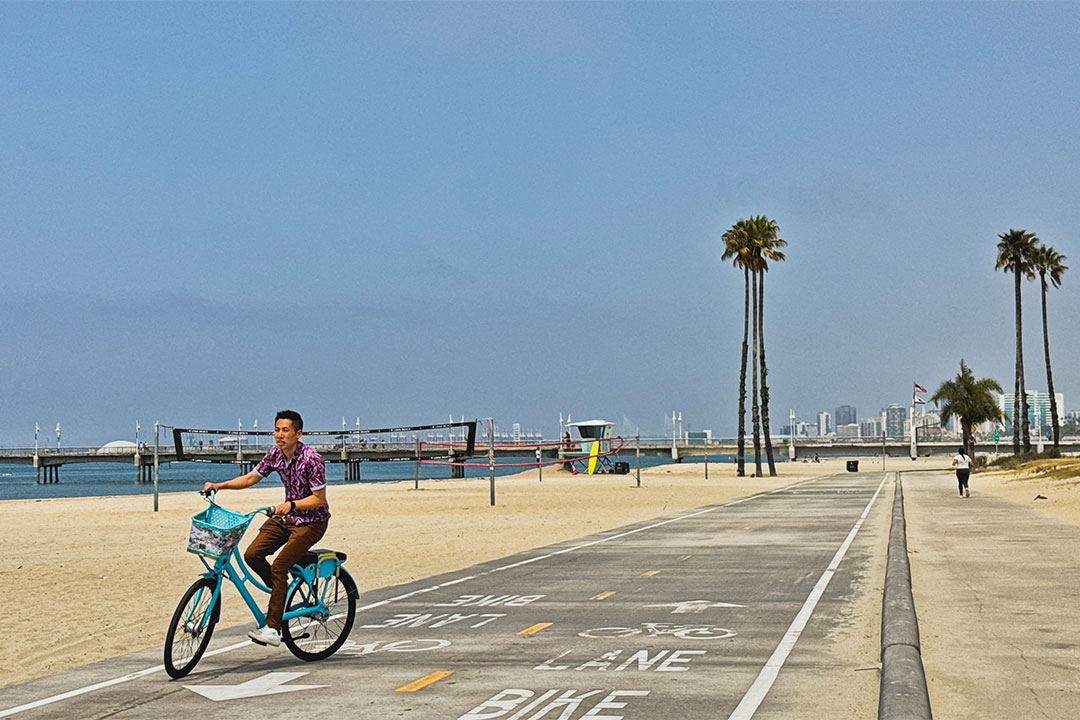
622, 468
853, 466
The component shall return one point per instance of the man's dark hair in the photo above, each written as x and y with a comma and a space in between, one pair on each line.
292, 416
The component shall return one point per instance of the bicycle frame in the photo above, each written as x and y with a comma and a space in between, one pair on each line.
224, 567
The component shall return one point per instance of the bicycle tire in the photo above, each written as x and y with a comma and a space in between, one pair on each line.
183, 646
311, 637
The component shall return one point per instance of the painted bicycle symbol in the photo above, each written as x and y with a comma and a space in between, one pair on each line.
651, 629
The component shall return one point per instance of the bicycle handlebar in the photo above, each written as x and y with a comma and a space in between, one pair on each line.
210, 494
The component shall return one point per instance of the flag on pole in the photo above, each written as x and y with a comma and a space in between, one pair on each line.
920, 401
919, 388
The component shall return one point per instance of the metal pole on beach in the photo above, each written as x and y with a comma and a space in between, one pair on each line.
157, 464
491, 458
637, 456
416, 472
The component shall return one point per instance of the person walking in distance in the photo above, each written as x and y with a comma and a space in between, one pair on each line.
297, 524
962, 463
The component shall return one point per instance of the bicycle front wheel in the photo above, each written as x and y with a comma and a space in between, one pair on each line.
190, 628
318, 636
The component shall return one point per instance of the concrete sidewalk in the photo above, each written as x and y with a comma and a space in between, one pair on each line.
997, 592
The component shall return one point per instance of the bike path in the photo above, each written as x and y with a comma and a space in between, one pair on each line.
693, 615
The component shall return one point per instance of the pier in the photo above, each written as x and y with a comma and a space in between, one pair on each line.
48, 461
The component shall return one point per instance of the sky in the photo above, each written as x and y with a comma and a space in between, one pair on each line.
400, 212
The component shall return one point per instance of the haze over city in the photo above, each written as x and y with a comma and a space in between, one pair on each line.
402, 212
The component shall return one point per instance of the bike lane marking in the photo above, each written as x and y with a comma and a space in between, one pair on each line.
246, 643
763, 683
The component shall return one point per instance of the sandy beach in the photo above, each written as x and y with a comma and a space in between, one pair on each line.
99, 577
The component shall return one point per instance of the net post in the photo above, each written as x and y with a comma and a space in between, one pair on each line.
157, 462
416, 472
491, 458
637, 456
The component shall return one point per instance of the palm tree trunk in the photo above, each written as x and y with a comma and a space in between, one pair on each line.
741, 472
764, 378
969, 446
755, 414
1019, 370
1049, 374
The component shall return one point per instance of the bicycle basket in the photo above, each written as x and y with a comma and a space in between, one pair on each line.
216, 531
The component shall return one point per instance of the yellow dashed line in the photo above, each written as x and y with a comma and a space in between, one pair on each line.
685, 557
604, 595
650, 573
534, 629
711, 545
746, 528
425, 681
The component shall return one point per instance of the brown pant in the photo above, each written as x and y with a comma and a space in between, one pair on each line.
297, 540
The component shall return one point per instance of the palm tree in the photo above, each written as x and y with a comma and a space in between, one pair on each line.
737, 249
970, 400
766, 247
1014, 250
1050, 264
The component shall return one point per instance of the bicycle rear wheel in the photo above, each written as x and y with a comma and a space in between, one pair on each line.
190, 628
318, 636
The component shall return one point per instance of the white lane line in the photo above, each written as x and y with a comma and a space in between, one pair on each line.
764, 682
132, 676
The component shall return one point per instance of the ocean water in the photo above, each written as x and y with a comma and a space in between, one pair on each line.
94, 479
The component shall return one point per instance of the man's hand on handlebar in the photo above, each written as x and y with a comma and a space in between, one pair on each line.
284, 509
208, 487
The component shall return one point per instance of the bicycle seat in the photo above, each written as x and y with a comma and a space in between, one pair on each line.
312, 556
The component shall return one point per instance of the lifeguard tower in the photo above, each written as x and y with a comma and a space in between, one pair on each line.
592, 452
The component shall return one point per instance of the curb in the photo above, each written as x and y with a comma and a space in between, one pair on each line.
903, 694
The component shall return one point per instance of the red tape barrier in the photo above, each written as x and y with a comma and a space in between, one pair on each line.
622, 443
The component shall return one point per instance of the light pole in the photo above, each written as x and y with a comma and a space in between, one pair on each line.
37, 429
58, 435
791, 433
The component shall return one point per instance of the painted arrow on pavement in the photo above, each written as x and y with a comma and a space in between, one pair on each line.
269, 684
694, 606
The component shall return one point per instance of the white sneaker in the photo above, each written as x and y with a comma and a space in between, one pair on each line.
266, 635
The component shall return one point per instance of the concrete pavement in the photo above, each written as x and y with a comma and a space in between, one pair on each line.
997, 591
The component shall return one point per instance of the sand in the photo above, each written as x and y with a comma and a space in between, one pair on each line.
99, 577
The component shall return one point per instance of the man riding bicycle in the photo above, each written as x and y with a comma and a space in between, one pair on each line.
297, 524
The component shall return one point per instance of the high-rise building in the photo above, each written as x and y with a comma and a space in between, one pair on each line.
870, 428
849, 430
894, 418
1038, 409
823, 422
844, 415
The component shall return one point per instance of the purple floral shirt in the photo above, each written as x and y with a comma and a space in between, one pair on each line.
301, 477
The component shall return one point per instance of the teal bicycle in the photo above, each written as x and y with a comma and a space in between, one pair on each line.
320, 603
